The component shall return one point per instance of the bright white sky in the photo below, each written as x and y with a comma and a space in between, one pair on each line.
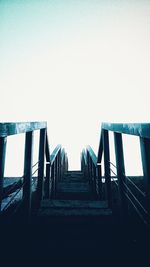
75, 64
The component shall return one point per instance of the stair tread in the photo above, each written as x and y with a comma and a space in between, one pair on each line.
74, 212
74, 204
73, 187
73, 208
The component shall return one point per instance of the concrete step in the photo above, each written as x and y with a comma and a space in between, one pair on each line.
63, 208
73, 187
74, 190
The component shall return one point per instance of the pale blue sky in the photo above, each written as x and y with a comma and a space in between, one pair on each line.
74, 64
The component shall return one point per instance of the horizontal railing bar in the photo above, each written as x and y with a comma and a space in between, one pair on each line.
137, 210
19, 189
112, 164
12, 187
35, 164
12, 198
20, 180
138, 129
140, 191
20, 203
136, 200
35, 171
115, 182
128, 178
12, 128
113, 172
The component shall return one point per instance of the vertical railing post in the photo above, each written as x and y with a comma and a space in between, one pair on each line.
145, 155
27, 182
99, 180
40, 184
52, 180
48, 181
57, 175
60, 165
3, 142
64, 165
88, 168
55, 172
120, 173
95, 180
107, 166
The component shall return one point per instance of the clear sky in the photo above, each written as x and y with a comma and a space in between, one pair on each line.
74, 64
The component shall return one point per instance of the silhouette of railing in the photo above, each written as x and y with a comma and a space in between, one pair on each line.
91, 170
51, 167
54, 165
132, 192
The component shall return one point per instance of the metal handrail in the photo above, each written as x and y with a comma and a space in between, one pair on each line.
55, 153
17, 191
137, 201
128, 178
138, 129
92, 155
13, 128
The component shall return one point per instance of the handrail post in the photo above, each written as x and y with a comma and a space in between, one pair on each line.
107, 166
95, 180
27, 187
145, 155
99, 178
40, 184
59, 165
57, 175
52, 181
54, 178
48, 180
120, 174
3, 142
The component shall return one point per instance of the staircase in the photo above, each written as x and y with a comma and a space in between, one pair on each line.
74, 201
63, 215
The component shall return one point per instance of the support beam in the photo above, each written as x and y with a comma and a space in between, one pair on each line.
107, 166
120, 173
3, 142
27, 190
145, 155
53, 181
48, 181
99, 177
40, 185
